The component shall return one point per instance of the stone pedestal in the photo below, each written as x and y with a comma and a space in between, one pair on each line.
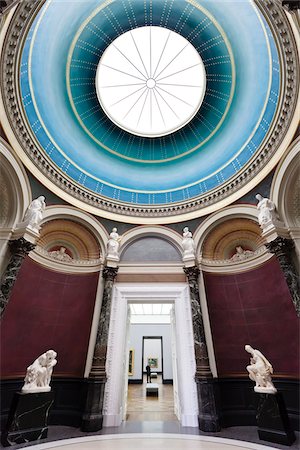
208, 417
273, 421
28, 418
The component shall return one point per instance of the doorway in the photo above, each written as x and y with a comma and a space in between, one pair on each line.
185, 395
150, 396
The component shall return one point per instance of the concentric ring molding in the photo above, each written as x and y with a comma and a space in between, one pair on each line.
72, 192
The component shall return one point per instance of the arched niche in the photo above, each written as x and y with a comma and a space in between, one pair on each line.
149, 244
70, 240
220, 237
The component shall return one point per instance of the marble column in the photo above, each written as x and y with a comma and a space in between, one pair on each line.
93, 418
206, 388
283, 248
19, 248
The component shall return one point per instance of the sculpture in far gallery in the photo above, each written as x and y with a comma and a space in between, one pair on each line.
188, 244
34, 213
113, 244
260, 371
266, 211
38, 375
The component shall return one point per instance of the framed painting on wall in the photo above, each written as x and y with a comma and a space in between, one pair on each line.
153, 363
130, 362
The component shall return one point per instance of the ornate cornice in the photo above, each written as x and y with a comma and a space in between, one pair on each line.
12, 46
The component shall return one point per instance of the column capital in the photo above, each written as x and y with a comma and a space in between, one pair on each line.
110, 273
192, 273
280, 245
20, 247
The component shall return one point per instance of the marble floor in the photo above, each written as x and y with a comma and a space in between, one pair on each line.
150, 442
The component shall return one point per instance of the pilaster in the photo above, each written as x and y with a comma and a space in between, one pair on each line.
92, 419
206, 389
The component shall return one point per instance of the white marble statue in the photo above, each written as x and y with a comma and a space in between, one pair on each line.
260, 371
188, 244
60, 255
241, 254
38, 375
266, 211
34, 213
113, 244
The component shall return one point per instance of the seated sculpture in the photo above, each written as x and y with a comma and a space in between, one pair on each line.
38, 375
260, 371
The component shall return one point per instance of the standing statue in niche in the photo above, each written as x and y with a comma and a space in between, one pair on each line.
113, 244
34, 213
38, 375
188, 244
266, 211
260, 371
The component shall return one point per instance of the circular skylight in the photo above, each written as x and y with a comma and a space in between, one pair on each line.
150, 81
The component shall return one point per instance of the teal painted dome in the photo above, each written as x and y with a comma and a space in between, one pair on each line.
60, 56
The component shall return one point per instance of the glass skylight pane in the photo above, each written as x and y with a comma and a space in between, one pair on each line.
150, 81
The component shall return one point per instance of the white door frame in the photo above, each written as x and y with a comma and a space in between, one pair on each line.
124, 293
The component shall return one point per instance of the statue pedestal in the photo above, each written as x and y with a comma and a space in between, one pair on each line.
27, 418
273, 421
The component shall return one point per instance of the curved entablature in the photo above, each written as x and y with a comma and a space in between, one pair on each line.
285, 189
230, 241
15, 188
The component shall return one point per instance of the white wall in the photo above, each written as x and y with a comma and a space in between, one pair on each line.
136, 333
153, 349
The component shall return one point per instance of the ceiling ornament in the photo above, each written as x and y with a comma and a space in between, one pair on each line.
65, 138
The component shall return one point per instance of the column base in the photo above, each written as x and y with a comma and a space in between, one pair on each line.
209, 416
92, 419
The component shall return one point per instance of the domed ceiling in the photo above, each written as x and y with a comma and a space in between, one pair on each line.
149, 111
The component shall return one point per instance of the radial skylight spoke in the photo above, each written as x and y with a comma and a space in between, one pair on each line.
134, 103
143, 107
127, 96
172, 60
178, 71
175, 96
149, 106
162, 117
166, 103
161, 55
122, 71
122, 85
133, 65
139, 53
